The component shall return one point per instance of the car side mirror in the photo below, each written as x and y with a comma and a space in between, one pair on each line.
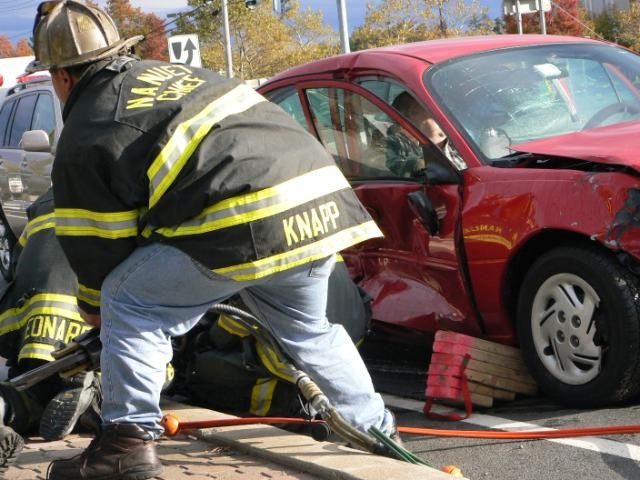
35, 141
422, 207
437, 167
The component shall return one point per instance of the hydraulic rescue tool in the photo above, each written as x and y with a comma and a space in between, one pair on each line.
83, 354
80, 355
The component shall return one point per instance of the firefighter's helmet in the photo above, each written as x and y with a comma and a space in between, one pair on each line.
67, 33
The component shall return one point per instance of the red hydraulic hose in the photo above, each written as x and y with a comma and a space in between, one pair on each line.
173, 425
527, 435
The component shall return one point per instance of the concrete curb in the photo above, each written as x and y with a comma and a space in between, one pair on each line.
323, 459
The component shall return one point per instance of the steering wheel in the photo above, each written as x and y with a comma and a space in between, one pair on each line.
606, 112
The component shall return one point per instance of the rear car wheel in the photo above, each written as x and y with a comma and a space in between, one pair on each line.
579, 327
7, 242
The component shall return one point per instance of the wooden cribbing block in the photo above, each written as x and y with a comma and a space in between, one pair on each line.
482, 355
455, 394
441, 363
456, 382
451, 364
478, 344
474, 387
490, 370
503, 383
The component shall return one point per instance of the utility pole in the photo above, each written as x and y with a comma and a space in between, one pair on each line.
519, 16
543, 21
227, 38
344, 30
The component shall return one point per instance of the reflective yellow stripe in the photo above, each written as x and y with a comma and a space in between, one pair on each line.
41, 304
36, 350
266, 354
232, 326
89, 295
299, 256
37, 224
188, 135
274, 364
262, 396
78, 222
263, 203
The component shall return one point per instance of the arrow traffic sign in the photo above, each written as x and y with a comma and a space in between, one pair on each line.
185, 49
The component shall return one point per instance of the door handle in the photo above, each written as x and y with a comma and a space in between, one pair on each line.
422, 207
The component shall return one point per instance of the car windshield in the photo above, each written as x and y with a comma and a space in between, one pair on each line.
511, 96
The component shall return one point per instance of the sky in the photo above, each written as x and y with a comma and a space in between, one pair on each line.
16, 16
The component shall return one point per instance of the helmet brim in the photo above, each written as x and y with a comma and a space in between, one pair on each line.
89, 57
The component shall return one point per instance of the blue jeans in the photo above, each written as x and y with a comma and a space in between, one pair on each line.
159, 292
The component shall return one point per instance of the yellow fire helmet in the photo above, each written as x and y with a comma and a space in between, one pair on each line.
68, 33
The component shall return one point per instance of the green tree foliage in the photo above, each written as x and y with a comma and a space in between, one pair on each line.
607, 24
263, 44
619, 26
133, 21
393, 22
629, 22
566, 17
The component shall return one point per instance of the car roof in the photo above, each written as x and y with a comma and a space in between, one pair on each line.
29, 83
430, 51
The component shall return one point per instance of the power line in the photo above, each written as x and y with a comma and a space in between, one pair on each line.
163, 28
17, 35
578, 20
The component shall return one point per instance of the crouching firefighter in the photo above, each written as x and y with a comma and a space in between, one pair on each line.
221, 365
175, 189
38, 312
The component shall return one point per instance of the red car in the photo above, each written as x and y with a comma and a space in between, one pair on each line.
510, 205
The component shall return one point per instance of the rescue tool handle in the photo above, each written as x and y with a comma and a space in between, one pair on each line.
80, 355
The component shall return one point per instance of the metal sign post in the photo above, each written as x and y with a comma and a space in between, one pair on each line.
522, 7
227, 39
344, 30
543, 20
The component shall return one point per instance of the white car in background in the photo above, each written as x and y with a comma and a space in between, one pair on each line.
30, 124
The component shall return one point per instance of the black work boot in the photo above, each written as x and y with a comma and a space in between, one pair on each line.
14, 412
11, 445
63, 411
122, 451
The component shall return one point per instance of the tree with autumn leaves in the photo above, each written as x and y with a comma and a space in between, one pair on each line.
7, 50
262, 42
393, 22
620, 26
129, 20
133, 21
567, 17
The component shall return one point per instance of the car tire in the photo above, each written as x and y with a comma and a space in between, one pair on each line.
7, 243
578, 325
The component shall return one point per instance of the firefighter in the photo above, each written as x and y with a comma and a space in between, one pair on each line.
39, 310
175, 189
221, 365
